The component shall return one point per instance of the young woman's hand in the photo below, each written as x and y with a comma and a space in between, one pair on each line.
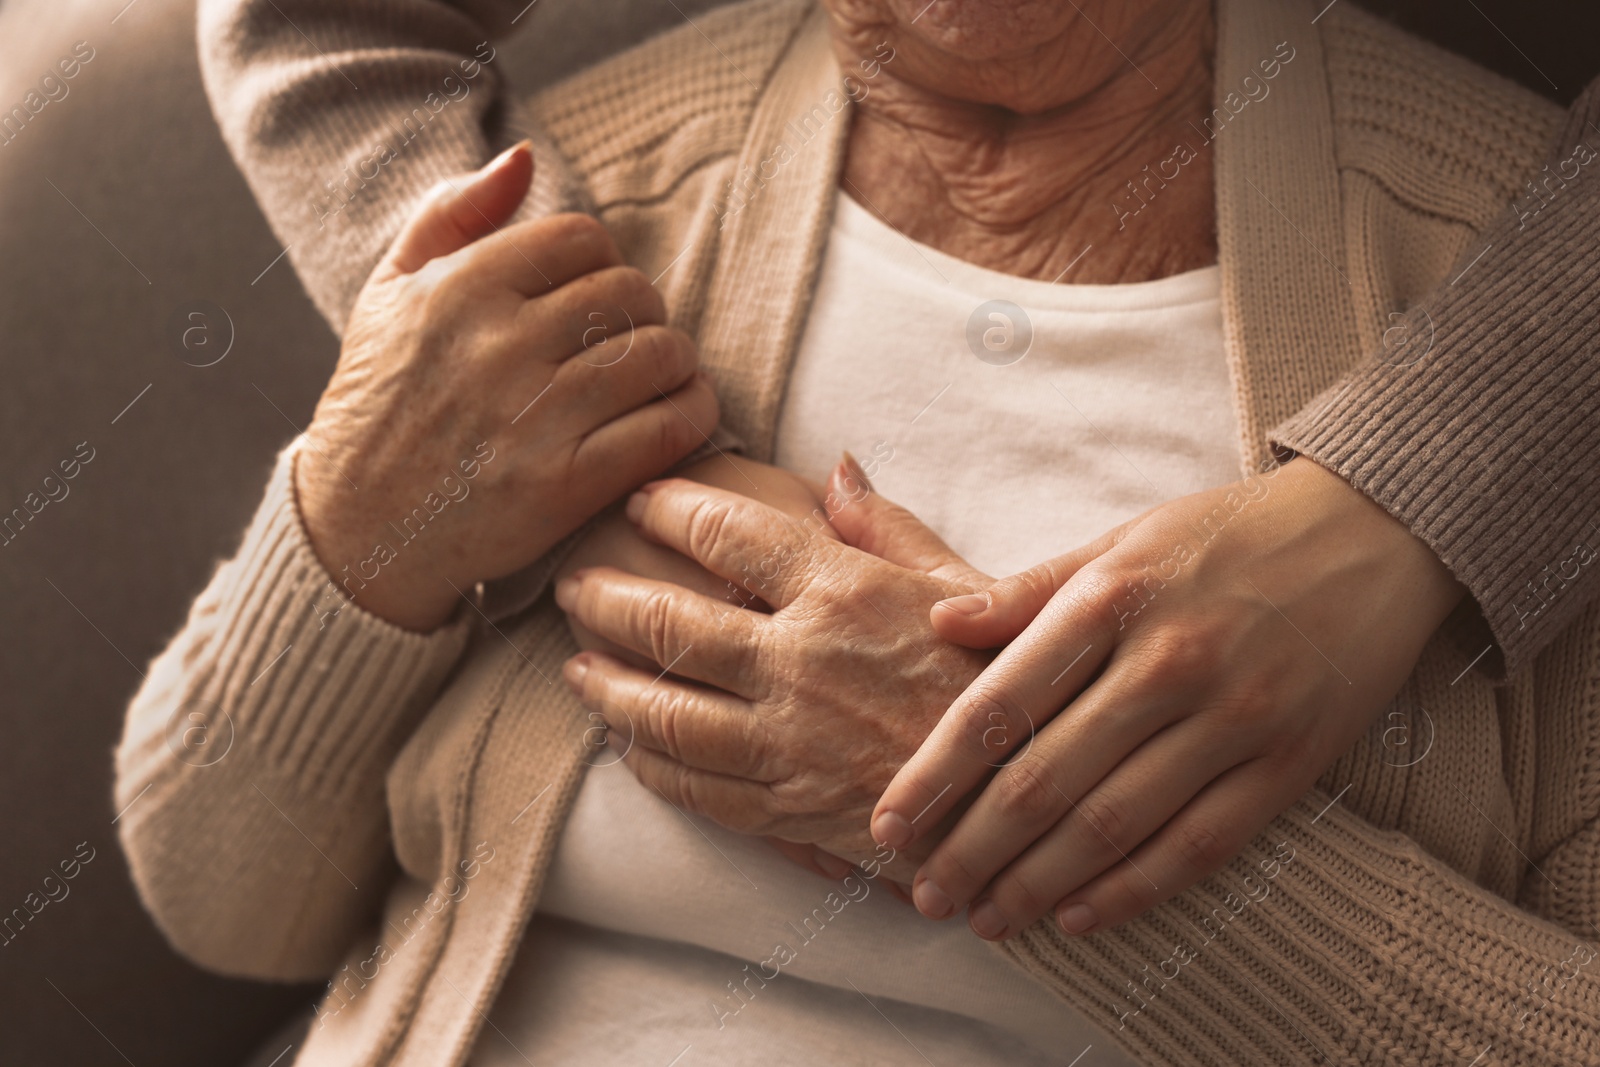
1174, 686
496, 388
786, 724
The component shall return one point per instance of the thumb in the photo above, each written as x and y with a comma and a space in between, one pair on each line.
457, 211
874, 525
1000, 613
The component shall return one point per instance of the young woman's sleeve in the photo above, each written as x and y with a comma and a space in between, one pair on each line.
1482, 433
250, 776
342, 115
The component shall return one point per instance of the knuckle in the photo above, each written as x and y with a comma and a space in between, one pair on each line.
674, 437
1025, 791
1100, 581
1107, 817
578, 232
1020, 897
993, 722
1248, 704
1123, 895
707, 529
662, 353
658, 625
664, 714
1177, 655
627, 286
953, 870
1200, 847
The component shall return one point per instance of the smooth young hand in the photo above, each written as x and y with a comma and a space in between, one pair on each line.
1165, 692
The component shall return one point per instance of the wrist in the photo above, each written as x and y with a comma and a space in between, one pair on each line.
1372, 530
363, 562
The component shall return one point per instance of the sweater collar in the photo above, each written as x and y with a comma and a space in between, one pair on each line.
1288, 293
774, 223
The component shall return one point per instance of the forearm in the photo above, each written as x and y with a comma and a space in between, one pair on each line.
1476, 425
342, 115
251, 771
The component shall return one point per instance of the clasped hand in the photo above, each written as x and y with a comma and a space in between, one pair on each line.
1146, 717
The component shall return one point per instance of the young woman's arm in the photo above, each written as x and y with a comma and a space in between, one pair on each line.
1476, 424
341, 116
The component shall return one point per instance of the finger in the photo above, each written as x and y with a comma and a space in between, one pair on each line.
736, 803
867, 521
812, 858
649, 363
698, 727
1104, 828
898, 891
625, 451
537, 257
757, 547
458, 211
687, 633
1015, 696
1034, 790
995, 616
583, 316
1209, 832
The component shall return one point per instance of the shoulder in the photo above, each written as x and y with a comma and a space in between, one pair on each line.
1438, 132
634, 126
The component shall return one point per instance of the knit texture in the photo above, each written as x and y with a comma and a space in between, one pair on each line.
1475, 421
1428, 901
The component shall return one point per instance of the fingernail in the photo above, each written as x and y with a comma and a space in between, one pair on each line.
636, 504
856, 472
508, 153
567, 592
986, 921
932, 901
1077, 918
967, 604
832, 865
890, 828
574, 671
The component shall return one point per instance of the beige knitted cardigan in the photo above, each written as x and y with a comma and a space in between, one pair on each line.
1411, 910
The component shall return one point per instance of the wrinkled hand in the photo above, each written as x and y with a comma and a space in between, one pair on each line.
802, 716
1189, 676
616, 542
496, 388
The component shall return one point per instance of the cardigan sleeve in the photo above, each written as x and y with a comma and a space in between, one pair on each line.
1330, 941
342, 115
1487, 446
250, 775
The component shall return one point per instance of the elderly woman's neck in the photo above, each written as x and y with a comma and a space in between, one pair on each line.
1099, 174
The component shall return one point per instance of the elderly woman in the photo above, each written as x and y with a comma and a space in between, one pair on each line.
878, 262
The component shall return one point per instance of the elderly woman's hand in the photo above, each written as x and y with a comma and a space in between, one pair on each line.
815, 706
525, 368
1189, 676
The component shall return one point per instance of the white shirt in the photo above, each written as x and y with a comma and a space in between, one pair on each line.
1017, 430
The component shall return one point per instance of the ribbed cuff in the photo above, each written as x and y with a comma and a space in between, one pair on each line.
311, 679
1476, 425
